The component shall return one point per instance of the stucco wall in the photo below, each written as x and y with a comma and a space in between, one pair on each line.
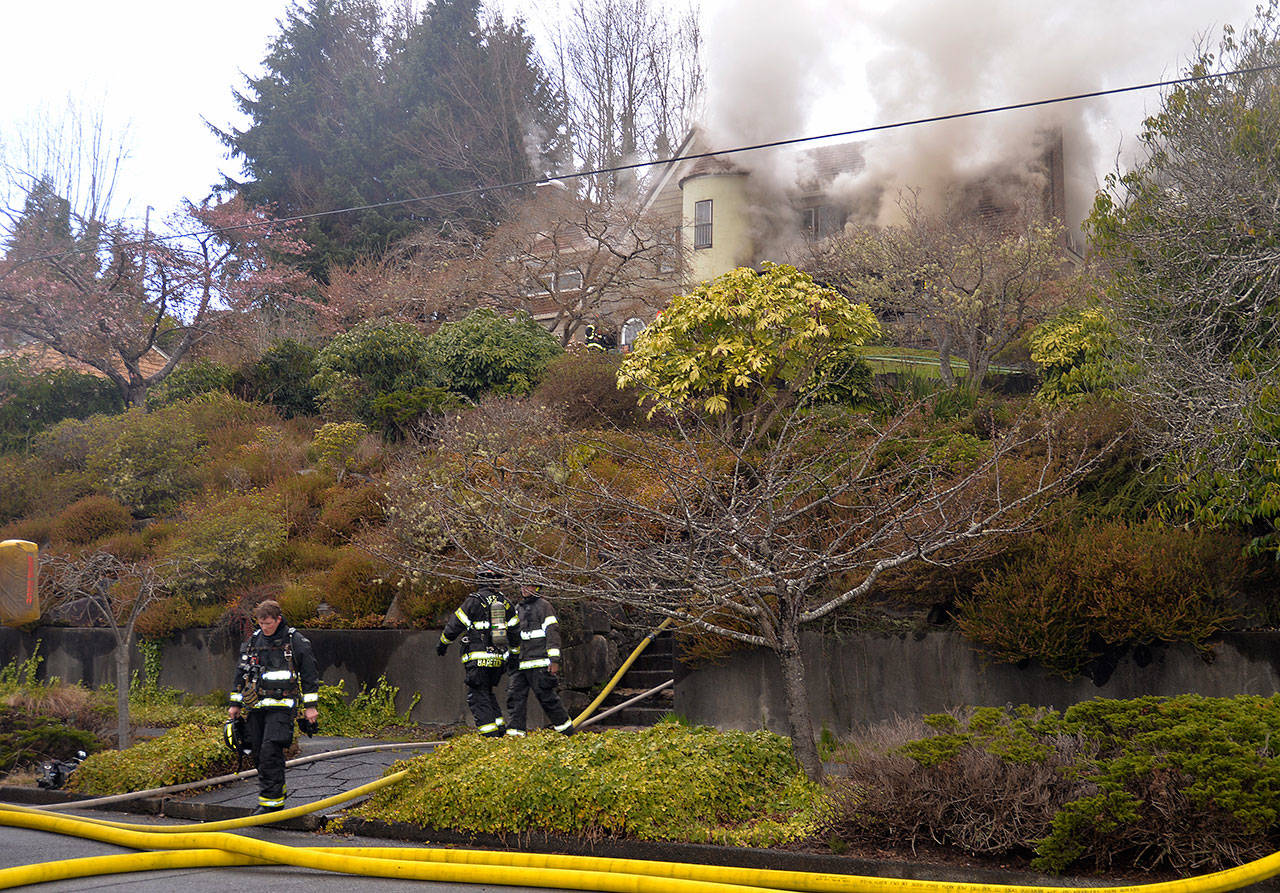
731, 240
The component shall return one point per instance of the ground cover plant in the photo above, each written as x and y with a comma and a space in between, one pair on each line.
1186, 783
668, 782
193, 749
186, 753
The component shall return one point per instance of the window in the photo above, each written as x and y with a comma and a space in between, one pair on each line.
702, 224
630, 329
809, 218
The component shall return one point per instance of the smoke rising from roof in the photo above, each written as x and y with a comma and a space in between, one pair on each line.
784, 70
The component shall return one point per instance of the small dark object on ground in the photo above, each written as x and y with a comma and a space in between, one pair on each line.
53, 775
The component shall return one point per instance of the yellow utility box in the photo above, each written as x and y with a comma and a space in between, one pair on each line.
19, 592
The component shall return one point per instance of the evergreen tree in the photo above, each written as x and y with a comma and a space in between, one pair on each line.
357, 109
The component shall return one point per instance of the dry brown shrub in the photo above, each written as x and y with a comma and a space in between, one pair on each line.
977, 802
73, 705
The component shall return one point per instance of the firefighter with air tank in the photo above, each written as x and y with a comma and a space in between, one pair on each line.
487, 623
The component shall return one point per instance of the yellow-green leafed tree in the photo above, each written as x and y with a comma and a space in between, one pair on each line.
732, 346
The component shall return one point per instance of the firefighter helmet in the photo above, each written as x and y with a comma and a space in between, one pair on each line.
234, 737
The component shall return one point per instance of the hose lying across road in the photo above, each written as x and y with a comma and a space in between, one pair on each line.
180, 847
207, 845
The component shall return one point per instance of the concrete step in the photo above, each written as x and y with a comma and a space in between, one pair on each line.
636, 716
646, 678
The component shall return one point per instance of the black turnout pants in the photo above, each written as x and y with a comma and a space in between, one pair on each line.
482, 701
544, 686
270, 733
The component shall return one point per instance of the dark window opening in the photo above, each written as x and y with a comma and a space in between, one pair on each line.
702, 224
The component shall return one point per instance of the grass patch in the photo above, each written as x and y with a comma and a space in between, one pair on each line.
669, 782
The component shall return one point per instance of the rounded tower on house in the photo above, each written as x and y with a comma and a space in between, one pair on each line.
716, 221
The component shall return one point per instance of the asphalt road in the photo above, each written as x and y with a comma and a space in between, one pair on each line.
19, 846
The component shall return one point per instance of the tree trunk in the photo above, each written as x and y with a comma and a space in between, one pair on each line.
122, 693
796, 692
944, 363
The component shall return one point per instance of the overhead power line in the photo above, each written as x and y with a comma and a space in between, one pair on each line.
773, 144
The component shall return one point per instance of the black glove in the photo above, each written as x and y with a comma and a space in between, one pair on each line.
442, 648
308, 726
513, 663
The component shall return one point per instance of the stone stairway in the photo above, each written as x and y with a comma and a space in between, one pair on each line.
654, 666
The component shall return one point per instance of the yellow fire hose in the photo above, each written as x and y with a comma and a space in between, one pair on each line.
214, 849
206, 845
626, 665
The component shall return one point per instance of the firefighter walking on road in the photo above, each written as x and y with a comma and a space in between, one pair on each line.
276, 667
487, 623
535, 663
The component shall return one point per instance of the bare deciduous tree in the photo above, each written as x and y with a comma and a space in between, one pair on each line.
631, 76
749, 534
116, 592
131, 306
1190, 234
576, 262
972, 284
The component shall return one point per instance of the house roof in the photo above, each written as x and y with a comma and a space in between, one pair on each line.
710, 166
42, 358
820, 165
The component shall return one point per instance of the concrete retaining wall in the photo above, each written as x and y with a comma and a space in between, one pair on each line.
857, 680
863, 679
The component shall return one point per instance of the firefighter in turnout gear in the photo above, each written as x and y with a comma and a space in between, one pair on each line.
487, 622
534, 663
277, 671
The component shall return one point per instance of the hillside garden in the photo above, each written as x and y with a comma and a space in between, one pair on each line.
1096, 478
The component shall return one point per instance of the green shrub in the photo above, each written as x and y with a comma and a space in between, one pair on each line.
175, 613
198, 377
230, 543
17, 488
90, 519
282, 378
27, 740
668, 782
1150, 783
67, 445
402, 414
376, 357
335, 446
1071, 593
347, 509
299, 601
582, 385
307, 555
371, 713
153, 462
35, 400
427, 603
486, 354
187, 753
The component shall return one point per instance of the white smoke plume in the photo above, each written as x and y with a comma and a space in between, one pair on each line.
779, 70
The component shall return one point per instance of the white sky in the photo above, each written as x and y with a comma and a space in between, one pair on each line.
158, 67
